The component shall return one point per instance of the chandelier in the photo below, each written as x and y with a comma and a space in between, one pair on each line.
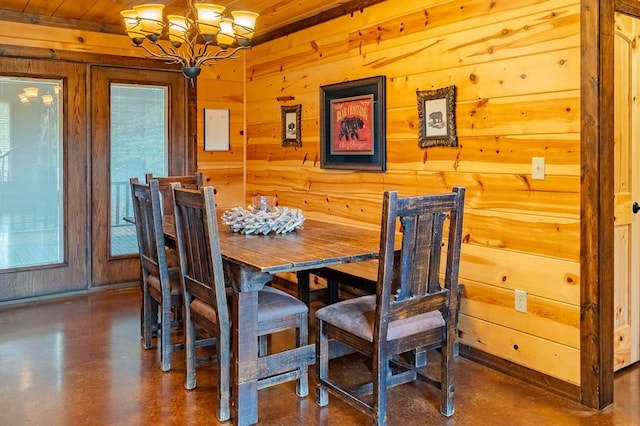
192, 35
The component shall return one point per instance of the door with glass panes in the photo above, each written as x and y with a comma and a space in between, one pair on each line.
43, 181
138, 127
64, 195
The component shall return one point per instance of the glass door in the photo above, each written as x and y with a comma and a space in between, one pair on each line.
31, 196
138, 127
43, 182
138, 145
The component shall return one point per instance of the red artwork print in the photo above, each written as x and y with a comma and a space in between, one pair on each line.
352, 126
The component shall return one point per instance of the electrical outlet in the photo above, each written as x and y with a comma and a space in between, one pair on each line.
537, 168
521, 301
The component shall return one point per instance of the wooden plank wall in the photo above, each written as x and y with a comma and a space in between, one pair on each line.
516, 66
221, 86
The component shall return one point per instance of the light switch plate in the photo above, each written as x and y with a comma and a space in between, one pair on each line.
537, 168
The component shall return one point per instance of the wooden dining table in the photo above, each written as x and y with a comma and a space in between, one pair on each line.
250, 262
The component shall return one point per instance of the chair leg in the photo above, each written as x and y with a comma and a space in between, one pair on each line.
447, 378
420, 357
263, 345
165, 336
190, 349
381, 373
322, 364
148, 318
224, 393
302, 336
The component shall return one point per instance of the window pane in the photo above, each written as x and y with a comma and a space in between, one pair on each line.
138, 146
31, 196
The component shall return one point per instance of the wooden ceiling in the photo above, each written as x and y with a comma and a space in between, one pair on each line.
277, 17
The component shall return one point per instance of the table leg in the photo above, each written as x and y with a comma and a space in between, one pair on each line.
303, 286
245, 357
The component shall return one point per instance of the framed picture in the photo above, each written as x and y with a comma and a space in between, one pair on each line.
353, 125
291, 125
216, 129
437, 116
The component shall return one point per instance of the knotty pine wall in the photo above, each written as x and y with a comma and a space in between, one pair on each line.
516, 66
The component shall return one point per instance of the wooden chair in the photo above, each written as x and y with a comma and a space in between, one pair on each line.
161, 286
411, 309
207, 297
193, 181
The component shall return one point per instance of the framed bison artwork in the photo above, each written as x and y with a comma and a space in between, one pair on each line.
353, 125
291, 125
437, 116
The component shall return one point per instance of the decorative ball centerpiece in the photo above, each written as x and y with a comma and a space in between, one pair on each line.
263, 216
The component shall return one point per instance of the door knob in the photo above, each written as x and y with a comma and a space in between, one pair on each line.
635, 207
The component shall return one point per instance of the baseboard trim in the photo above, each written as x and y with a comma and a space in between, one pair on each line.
536, 378
68, 294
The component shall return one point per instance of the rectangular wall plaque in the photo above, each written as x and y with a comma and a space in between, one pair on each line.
216, 129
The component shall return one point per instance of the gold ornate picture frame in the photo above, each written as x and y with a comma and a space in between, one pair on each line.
437, 116
291, 128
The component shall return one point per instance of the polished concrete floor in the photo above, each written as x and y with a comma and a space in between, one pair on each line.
79, 361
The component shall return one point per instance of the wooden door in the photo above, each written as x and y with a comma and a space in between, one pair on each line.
114, 249
627, 191
43, 250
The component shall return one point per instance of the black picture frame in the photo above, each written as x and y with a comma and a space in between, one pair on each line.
353, 125
291, 128
437, 117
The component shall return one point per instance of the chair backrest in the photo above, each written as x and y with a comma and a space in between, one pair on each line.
409, 281
199, 249
148, 218
193, 181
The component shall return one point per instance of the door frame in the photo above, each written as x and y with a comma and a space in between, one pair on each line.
596, 197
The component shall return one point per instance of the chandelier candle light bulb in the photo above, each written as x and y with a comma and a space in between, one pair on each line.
179, 27
194, 33
209, 16
150, 18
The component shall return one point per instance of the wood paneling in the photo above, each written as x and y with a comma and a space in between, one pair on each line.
519, 233
221, 86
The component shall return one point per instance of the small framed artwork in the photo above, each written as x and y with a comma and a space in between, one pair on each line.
353, 125
216, 129
437, 116
291, 117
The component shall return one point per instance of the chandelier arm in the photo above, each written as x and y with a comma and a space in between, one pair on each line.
202, 50
174, 59
166, 53
218, 56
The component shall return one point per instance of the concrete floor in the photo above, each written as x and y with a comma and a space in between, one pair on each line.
79, 361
